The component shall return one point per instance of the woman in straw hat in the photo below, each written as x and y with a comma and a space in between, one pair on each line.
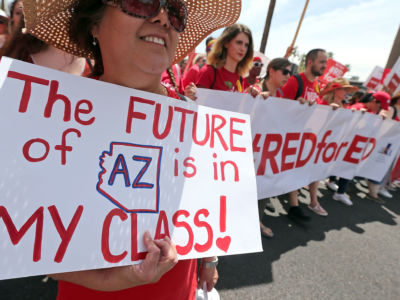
334, 94
132, 43
231, 57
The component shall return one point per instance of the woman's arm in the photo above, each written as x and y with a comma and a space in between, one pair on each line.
160, 258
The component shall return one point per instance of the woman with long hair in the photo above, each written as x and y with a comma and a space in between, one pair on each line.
132, 43
231, 57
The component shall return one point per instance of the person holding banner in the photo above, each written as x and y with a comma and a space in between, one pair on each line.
393, 111
231, 57
278, 73
132, 43
334, 94
304, 87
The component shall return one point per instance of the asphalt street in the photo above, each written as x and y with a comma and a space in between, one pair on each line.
354, 253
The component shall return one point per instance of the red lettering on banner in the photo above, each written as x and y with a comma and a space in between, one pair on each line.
371, 141
184, 112
354, 148
53, 97
268, 154
63, 147
326, 158
287, 151
27, 146
236, 132
132, 114
17, 235
321, 145
307, 136
85, 111
162, 220
26, 94
235, 168
342, 145
182, 250
194, 130
135, 255
205, 247
156, 122
256, 140
65, 234
187, 165
105, 236
215, 131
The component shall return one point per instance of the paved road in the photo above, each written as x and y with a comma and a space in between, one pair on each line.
354, 253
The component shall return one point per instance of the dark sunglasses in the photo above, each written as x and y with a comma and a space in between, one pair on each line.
146, 9
257, 64
286, 71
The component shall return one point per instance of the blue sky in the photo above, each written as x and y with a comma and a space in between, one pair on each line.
358, 32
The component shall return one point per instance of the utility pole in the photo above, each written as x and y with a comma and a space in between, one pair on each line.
267, 25
395, 53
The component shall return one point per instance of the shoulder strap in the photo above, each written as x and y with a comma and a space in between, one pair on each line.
300, 87
280, 91
394, 113
215, 77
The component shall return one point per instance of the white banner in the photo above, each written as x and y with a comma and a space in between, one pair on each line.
296, 144
87, 167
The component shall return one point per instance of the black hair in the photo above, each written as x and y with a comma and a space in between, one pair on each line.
367, 98
313, 54
277, 64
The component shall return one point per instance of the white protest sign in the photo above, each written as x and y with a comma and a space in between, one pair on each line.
374, 78
88, 167
295, 144
392, 80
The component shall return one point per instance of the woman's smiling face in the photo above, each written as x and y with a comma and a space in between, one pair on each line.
146, 45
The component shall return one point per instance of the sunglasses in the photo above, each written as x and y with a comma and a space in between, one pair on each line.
286, 71
146, 9
257, 64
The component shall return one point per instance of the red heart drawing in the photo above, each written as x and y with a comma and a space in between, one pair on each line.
224, 243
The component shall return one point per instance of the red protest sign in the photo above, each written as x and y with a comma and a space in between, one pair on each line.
333, 70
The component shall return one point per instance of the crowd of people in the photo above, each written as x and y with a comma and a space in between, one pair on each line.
145, 45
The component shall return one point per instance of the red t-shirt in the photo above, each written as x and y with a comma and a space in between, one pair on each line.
310, 89
322, 101
224, 81
167, 80
179, 283
359, 106
191, 75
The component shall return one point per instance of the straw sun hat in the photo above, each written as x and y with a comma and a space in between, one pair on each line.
49, 21
339, 83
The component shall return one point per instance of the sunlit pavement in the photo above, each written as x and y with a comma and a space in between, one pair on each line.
354, 253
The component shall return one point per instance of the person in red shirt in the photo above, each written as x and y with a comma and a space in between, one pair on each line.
148, 39
304, 87
393, 111
190, 77
278, 73
254, 73
334, 94
231, 57
372, 103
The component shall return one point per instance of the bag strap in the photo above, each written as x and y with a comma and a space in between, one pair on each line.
300, 87
395, 113
215, 77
